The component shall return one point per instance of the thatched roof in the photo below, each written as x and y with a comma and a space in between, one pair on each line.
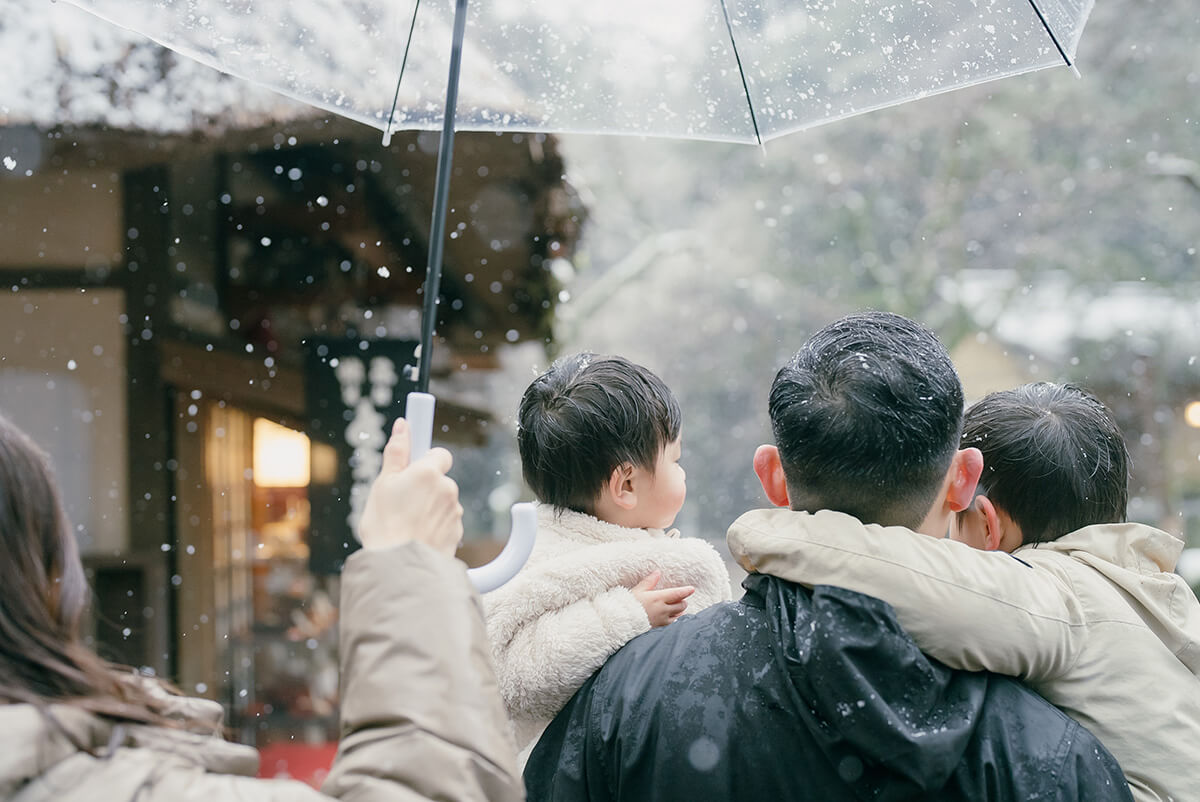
62, 66
81, 91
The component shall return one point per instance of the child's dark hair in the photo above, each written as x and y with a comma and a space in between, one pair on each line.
1053, 458
586, 416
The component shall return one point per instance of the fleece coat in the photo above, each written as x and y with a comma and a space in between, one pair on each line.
1095, 621
571, 606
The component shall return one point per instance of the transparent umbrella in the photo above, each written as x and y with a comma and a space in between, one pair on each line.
728, 70
740, 70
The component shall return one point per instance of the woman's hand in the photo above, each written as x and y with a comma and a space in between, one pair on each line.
410, 502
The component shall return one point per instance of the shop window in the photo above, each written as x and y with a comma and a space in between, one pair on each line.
291, 708
258, 630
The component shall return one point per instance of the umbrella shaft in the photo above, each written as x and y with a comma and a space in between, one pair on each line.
437, 229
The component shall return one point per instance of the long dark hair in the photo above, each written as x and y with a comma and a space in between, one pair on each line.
43, 595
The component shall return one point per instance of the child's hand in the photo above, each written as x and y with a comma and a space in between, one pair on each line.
662, 606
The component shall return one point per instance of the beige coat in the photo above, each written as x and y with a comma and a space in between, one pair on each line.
571, 607
421, 715
1094, 621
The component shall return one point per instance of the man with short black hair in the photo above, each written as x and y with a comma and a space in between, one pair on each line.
792, 694
866, 418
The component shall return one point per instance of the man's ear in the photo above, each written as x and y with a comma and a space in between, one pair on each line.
619, 487
769, 470
994, 534
965, 469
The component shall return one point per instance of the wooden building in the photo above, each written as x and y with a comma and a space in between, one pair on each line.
184, 259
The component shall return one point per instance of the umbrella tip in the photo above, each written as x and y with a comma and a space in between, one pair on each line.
1075, 70
387, 133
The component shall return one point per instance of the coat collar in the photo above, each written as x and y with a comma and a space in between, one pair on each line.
1132, 546
583, 528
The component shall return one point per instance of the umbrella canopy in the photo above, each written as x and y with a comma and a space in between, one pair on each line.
735, 70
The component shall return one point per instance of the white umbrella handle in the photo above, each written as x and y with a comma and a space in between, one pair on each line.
418, 411
516, 551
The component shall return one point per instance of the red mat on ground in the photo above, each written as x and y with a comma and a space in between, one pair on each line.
305, 762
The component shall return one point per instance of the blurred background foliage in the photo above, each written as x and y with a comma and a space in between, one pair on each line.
1045, 226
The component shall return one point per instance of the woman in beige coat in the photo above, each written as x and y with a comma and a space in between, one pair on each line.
421, 715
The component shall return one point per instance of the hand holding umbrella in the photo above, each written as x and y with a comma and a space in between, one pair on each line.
419, 414
433, 516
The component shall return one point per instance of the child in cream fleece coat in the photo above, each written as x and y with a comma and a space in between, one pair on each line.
600, 444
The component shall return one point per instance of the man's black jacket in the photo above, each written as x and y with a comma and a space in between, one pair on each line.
797, 694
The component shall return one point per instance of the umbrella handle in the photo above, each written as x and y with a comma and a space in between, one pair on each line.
516, 551
418, 411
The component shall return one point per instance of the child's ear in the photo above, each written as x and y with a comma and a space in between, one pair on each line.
1003, 533
620, 487
993, 534
769, 469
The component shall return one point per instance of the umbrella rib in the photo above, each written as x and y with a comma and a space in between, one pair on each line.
1045, 24
745, 86
391, 118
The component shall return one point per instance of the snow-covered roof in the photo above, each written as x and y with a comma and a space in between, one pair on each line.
62, 65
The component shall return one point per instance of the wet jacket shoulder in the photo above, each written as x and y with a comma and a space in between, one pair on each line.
793, 694
421, 714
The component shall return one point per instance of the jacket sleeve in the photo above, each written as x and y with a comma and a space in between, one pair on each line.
970, 609
421, 712
551, 656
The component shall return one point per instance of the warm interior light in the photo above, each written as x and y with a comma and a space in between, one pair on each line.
324, 462
1191, 414
281, 455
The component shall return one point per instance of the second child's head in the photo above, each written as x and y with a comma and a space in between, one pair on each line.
601, 435
1054, 461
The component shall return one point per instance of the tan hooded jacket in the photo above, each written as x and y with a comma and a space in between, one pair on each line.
1094, 621
421, 714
